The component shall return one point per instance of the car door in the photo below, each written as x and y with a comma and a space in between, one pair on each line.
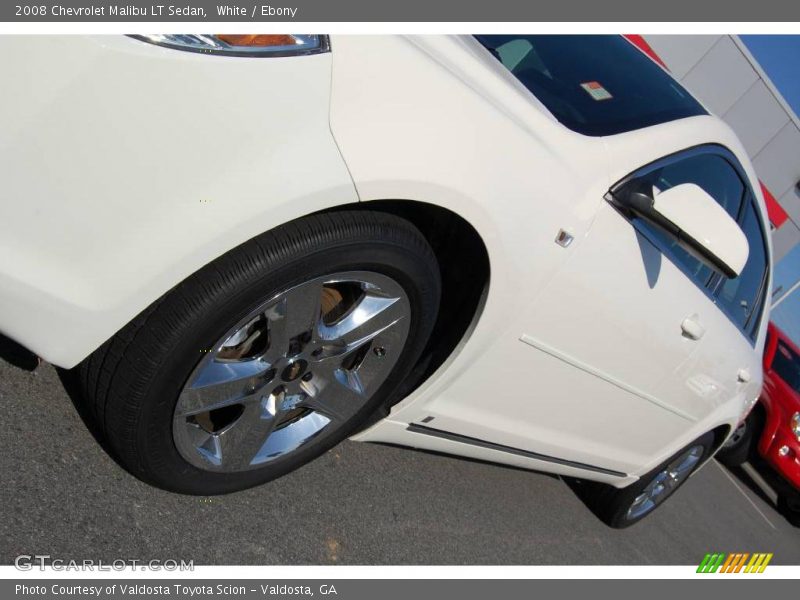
729, 364
615, 368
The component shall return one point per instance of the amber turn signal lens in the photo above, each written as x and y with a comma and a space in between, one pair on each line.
256, 40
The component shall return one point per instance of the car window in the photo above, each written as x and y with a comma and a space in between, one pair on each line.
786, 365
742, 296
714, 174
594, 84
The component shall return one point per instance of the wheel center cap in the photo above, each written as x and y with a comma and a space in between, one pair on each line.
294, 370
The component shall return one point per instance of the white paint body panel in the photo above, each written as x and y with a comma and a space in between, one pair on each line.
126, 167
519, 177
131, 166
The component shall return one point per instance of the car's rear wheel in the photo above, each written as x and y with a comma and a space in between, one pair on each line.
269, 356
621, 508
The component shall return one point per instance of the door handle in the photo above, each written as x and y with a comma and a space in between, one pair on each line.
691, 327
743, 376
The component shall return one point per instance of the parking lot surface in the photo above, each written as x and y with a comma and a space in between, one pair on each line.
62, 495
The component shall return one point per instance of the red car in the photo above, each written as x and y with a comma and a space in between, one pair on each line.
773, 427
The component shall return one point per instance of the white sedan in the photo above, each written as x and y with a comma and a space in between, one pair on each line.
535, 250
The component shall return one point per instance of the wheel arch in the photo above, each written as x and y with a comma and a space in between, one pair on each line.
463, 261
721, 433
464, 264
724, 431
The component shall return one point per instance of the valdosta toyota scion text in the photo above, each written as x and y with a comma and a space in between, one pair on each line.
535, 250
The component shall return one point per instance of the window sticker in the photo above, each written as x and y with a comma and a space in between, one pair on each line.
596, 91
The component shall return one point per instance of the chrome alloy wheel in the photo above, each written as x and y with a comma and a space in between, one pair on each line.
296, 368
665, 482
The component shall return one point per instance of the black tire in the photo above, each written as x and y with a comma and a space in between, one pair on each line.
739, 448
132, 382
611, 504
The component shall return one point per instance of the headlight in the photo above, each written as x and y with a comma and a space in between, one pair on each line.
795, 425
253, 44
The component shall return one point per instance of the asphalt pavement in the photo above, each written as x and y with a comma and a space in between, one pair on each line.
62, 495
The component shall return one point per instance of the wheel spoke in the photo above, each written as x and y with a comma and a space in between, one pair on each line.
640, 501
220, 384
685, 463
649, 497
296, 312
372, 316
339, 397
215, 372
237, 445
291, 437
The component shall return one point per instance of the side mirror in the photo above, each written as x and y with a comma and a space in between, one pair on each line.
700, 225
